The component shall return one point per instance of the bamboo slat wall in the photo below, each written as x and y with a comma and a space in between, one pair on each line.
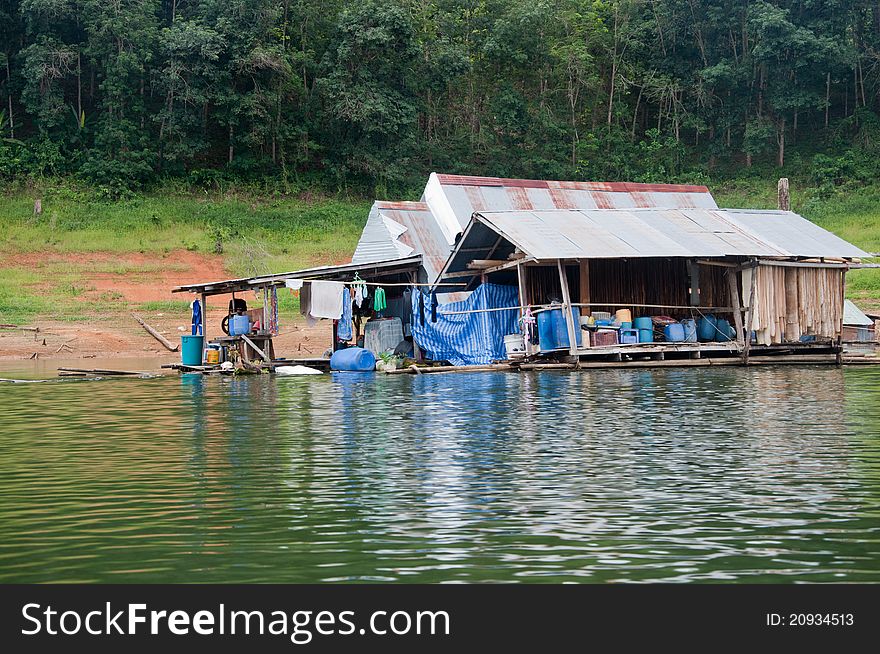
792, 302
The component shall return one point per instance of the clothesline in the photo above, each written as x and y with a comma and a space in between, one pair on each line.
360, 281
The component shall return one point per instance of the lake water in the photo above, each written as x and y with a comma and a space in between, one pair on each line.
690, 475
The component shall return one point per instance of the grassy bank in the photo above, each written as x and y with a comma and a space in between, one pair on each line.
51, 266
48, 263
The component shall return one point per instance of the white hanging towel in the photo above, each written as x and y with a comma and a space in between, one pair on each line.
327, 300
293, 284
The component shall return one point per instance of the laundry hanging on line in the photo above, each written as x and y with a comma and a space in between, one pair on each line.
344, 328
326, 299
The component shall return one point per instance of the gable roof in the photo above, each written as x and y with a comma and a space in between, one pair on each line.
401, 229
453, 199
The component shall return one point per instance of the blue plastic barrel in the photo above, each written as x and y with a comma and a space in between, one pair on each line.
353, 359
644, 322
646, 335
546, 332
191, 350
707, 328
560, 329
690, 330
674, 333
722, 333
239, 325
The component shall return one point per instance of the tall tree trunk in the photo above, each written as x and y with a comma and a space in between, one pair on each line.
780, 157
9, 84
231, 150
827, 97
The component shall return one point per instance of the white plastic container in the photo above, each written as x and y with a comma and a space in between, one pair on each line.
514, 345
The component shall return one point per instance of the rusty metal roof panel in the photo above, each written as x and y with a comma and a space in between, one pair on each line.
453, 198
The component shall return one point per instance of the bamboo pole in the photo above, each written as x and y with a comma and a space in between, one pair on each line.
566, 308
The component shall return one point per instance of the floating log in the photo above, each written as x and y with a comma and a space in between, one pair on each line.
100, 371
152, 332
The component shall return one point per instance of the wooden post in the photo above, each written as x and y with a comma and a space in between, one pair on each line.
566, 310
737, 305
783, 198
522, 304
750, 317
840, 322
584, 266
264, 326
204, 325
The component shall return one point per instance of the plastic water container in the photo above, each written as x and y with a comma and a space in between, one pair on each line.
674, 333
191, 350
514, 345
706, 328
626, 324
644, 322
690, 330
212, 355
546, 332
723, 331
353, 359
646, 335
239, 325
629, 336
561, 328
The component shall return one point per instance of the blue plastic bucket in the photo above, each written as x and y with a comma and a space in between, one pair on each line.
191, 350
646, 335
353, 359
674, 333
239, 325
644, 322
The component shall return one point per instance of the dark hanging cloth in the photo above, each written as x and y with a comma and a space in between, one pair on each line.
433, 306
422, 309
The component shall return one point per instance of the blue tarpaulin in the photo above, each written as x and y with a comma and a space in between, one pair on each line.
468, 338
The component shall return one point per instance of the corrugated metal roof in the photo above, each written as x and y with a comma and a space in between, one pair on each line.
453, 199
793, 234
396, 229
855, 317
627, 233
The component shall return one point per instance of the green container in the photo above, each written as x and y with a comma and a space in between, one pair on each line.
191, 350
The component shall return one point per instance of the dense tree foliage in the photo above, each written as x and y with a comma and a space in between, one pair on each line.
373, 93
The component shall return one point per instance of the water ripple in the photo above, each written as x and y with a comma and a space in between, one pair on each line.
690, 475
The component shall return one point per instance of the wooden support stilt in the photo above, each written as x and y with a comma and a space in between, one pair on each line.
204, 325
737, 305
750, 317
566, 310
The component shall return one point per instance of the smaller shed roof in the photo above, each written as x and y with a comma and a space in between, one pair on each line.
343, 272
399, 229
855, 317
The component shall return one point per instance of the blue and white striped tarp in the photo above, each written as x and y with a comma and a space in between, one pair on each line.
468, 338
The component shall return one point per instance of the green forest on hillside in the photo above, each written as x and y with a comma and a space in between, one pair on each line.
369, 96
